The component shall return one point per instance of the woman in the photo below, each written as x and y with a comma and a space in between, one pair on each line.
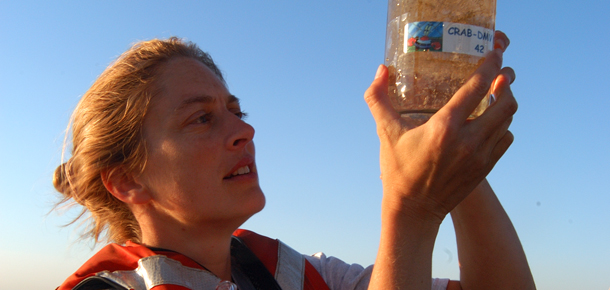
164, 163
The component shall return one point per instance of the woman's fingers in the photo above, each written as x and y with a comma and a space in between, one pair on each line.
376, 97
505, 106
501, 41
493, 125
508, 74
468, 97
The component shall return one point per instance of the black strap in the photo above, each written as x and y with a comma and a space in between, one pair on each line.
98, 283
252, 267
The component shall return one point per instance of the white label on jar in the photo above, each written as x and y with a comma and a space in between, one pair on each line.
448, 37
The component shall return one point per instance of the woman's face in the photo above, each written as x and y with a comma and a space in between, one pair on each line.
200, 166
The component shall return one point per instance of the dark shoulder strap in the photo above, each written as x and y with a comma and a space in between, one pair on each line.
251, 266
267, 251
98, 283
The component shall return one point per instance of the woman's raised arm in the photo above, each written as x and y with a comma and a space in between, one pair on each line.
427, 171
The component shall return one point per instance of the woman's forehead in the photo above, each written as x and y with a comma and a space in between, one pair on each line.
186, 78
185, 70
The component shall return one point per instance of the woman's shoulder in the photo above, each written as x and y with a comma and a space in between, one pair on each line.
112, 257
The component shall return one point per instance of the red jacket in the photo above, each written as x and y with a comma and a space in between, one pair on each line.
135, 266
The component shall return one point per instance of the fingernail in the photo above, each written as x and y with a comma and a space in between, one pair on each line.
379, 70
500, 43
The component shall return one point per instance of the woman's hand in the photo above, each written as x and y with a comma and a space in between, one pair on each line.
428, 170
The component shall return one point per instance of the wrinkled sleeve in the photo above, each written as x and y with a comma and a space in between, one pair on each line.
339, 275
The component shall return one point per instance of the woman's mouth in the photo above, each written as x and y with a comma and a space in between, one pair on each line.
241, 170
245, 167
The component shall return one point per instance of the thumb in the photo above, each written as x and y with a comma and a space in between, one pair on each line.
377, 98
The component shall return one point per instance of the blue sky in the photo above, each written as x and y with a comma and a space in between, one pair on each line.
300, 69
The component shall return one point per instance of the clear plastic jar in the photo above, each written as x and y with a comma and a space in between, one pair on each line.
432, 48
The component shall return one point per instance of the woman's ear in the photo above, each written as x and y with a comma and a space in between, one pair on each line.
124, 186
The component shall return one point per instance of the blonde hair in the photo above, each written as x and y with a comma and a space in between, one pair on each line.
107, 134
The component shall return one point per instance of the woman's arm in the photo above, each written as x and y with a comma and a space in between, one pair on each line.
490, 253
427, 171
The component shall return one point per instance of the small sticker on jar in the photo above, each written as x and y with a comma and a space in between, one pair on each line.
447, 37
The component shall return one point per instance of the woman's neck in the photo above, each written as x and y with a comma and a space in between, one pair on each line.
208, 246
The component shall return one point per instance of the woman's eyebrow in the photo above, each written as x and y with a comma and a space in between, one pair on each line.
202, 99
233, 99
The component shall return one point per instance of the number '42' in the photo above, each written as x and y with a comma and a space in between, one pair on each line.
480, 48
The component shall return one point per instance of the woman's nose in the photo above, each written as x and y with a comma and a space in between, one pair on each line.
242, 133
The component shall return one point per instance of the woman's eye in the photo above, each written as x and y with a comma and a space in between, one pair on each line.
241, 115
203, 119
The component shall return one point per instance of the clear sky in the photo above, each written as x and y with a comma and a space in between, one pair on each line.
300, 68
